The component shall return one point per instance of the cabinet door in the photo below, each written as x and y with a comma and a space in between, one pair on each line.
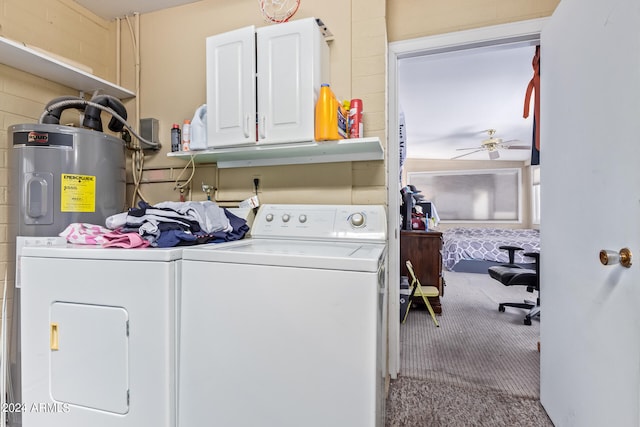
292, 63
231, 88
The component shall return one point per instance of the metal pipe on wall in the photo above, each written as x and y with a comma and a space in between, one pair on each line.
137, 47
118, 50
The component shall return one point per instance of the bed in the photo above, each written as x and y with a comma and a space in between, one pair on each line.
476, 249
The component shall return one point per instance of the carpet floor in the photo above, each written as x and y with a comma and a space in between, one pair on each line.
479, 368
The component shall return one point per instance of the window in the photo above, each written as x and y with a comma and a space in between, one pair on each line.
535, 195
491, 195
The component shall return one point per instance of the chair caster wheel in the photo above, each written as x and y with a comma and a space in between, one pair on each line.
527, 321
501, 308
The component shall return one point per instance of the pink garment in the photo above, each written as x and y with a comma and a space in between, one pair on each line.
116, 239
85, 234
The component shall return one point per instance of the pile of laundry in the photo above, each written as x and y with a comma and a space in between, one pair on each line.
162, 225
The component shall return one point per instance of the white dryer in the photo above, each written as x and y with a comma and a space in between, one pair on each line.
286, 328
99, 336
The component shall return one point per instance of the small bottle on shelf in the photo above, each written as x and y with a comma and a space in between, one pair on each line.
355, 119
186, 135
175, 138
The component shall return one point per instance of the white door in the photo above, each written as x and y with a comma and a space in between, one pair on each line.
590, 127
231, 88
292, 63
90, 343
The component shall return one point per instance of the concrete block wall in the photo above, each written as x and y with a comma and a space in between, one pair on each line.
64, 29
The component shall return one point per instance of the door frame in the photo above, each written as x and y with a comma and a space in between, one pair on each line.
520, 31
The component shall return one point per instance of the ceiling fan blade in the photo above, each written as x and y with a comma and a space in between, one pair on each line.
508, 145
472, 148
466, 154
465, 132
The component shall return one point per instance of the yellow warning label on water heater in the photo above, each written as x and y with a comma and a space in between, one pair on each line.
78, 193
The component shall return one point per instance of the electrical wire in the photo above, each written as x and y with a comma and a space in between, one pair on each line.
137, 167
133, 37
179, 186
137, 159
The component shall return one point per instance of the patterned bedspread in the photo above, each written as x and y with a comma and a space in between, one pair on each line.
483, 244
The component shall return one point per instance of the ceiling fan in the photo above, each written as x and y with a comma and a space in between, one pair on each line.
492, 145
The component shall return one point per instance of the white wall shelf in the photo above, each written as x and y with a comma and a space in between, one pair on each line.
344, 150
24, 58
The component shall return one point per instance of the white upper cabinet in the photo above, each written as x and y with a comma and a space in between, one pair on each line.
231, 88
293, 61
271, 99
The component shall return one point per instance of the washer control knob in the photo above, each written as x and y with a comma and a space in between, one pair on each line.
269, 217
357, 219
302, 218
286, 217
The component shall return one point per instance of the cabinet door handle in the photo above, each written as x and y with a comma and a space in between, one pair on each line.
263, 126
245, 130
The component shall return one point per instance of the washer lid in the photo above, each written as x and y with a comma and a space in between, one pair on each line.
351, 256
98, 252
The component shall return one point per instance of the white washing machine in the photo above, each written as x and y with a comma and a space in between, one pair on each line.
286, 328
99, 336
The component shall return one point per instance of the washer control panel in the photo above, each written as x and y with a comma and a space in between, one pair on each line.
331, 222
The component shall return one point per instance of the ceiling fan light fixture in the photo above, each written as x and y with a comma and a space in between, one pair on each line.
492, 145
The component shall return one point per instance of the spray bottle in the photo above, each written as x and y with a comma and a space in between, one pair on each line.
186, 135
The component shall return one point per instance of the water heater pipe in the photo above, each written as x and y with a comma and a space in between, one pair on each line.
82, 104
53, 115
92, 118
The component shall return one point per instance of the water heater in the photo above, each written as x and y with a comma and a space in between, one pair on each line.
62, 175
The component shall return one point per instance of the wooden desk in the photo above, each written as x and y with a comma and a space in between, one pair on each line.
424, 249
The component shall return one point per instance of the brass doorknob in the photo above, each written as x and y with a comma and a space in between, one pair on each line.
623, 257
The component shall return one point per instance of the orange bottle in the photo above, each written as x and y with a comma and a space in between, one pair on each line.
331, 117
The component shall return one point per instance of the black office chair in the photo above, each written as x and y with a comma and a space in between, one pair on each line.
518, 276
512, 255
